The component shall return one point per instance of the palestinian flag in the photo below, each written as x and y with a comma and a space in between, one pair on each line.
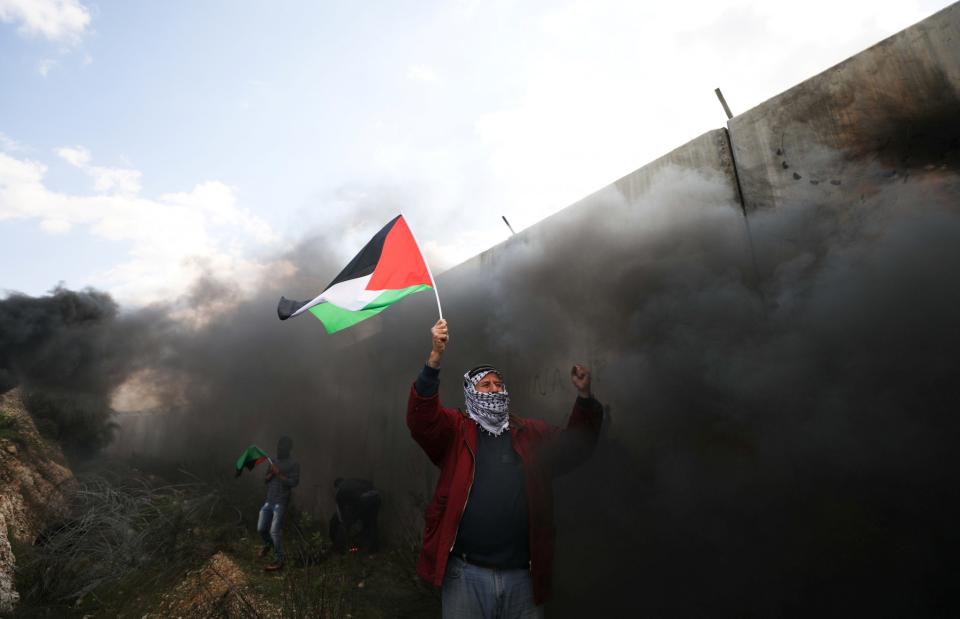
386, 270
251, 457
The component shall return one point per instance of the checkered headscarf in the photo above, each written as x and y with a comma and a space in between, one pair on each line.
489, 410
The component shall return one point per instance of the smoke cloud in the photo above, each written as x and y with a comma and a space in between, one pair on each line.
779, 437
64, 350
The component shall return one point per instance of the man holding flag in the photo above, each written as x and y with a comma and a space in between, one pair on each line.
283, 474
488, 539
489, 528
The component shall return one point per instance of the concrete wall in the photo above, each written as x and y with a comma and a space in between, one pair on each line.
887, 115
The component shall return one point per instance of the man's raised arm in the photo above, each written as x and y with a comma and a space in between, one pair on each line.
430, 425
574, 444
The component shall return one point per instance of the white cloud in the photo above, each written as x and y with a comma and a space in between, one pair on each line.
421, 73
172, 239
114, 180
57, 20
55, 226
76, 155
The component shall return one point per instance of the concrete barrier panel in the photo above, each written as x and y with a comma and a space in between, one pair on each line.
887, 115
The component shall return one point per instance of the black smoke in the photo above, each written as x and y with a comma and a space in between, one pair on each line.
54, 341
782, 439
58, 349
780, 431
68, 351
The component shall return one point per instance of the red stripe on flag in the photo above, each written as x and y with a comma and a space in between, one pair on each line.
401, 265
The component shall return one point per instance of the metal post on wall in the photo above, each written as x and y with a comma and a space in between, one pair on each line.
723, 102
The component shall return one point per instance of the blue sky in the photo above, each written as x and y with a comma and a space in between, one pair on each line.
143, 143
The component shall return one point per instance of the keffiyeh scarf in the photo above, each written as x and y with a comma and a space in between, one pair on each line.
489, 410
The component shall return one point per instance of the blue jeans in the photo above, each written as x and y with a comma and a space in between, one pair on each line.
474, 592
269, 524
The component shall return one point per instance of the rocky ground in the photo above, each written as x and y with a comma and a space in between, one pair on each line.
33, 481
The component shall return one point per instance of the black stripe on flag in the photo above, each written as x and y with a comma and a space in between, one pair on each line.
362, 264
366, 261
286, 307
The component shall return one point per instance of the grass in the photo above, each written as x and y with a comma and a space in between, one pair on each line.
115, 536
356, 585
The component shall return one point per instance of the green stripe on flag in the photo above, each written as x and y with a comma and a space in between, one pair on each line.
249, 458
336, 318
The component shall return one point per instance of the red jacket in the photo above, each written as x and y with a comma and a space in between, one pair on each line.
449, 437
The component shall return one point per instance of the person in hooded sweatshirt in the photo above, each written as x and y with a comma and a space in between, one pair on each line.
282, 475
488, 535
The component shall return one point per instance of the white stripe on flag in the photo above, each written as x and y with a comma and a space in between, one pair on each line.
351, 294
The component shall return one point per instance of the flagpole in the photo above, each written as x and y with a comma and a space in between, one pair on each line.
433, 283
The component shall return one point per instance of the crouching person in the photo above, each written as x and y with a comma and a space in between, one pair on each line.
357, 502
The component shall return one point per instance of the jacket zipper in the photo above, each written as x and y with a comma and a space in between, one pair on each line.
473, 471
523, 464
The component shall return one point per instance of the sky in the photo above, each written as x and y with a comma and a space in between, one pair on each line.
145, 145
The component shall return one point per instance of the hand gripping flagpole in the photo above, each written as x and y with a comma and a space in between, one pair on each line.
433, 283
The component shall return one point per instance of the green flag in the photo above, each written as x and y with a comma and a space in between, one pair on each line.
251, 457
